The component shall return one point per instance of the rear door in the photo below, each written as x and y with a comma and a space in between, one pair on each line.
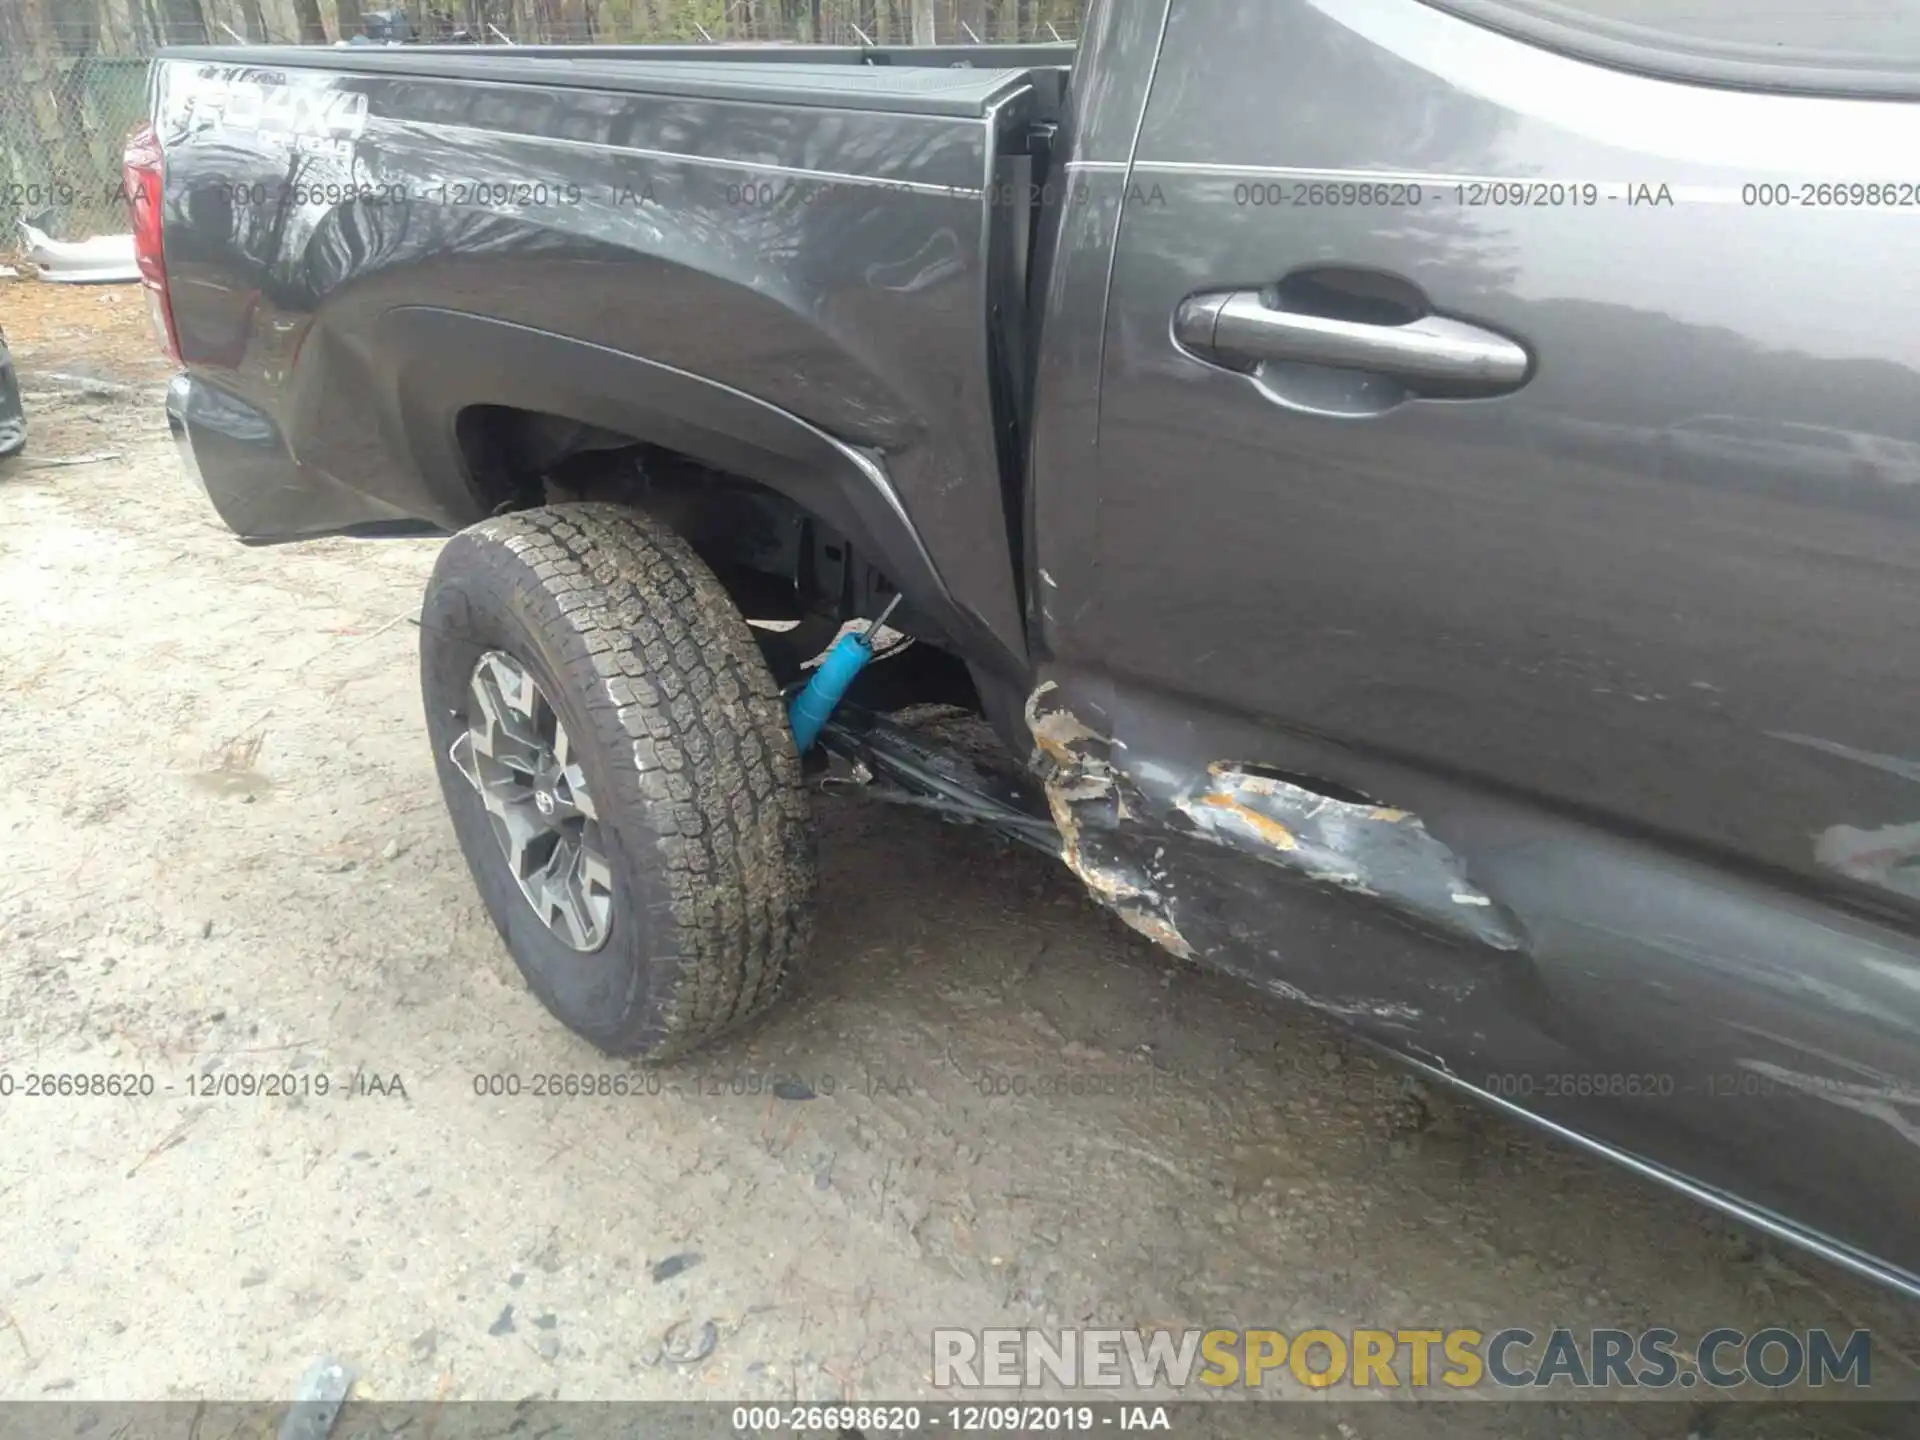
1402, 313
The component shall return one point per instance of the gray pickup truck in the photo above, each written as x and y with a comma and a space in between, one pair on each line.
1422, 493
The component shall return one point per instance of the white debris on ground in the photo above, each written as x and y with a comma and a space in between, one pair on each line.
97, 260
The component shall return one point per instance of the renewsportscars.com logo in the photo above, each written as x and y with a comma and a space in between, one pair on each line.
1513, 1359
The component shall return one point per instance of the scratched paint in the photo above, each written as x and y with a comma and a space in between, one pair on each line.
1888, 856
1372, 850
1389, 1012
1877, 1096
1377, 851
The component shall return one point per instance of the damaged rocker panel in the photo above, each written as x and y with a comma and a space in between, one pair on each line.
1075, 765
1385, 854
1371, 850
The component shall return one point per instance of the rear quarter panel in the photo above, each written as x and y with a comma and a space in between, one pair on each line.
828, 261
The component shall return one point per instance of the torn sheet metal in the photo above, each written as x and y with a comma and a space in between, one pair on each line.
105, 259
1075, 765
1372, 850
1377, 851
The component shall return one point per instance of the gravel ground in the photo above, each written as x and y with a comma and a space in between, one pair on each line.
225, 856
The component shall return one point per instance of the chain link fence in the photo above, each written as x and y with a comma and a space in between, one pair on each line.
63, 123
64, 116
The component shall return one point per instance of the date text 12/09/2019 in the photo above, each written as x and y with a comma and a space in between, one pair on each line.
1535, 194
1758, 1082
959, 1419
1471, 194
290, 1084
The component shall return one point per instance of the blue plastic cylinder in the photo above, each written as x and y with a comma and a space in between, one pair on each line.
827, 688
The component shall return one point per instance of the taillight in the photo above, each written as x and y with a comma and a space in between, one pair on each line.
141, 176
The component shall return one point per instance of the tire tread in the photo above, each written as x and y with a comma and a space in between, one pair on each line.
677, 688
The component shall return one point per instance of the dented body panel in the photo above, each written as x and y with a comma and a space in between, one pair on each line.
1513, 662
781, 268
1646, 703
1752, 1046
1372, 850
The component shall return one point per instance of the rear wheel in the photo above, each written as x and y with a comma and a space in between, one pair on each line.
616, 761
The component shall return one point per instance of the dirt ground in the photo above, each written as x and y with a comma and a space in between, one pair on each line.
99, 330
224, 855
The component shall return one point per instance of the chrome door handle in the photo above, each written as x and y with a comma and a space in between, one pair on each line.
1432, 355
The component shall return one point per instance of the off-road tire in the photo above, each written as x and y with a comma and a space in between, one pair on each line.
684, 741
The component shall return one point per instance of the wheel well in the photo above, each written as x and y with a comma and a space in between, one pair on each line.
779, 561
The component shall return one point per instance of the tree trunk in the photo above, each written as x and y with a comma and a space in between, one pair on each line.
184, 22
347, 17
53, 149
313, 30
923, 33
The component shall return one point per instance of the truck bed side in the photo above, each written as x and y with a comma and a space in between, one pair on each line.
788, 271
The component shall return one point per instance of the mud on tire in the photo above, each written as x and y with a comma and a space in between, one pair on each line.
674, 719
